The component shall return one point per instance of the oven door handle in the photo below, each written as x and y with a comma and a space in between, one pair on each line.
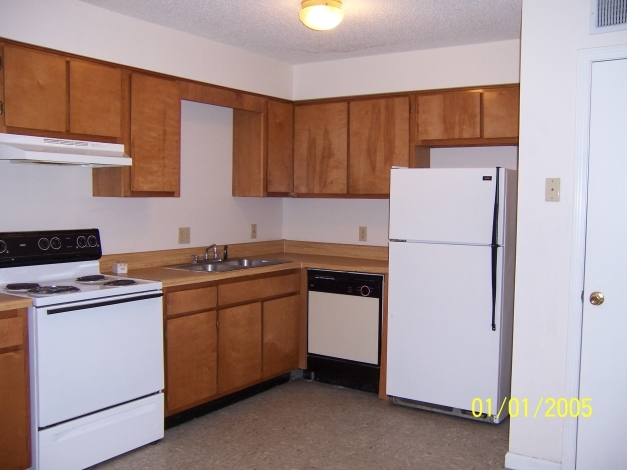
103, 304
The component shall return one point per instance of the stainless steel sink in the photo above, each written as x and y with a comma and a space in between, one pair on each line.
251, 263
212, 265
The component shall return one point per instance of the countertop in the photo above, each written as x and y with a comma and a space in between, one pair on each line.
11, 302
174, 277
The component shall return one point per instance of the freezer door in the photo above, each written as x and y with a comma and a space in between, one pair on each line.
446, 205
441, 346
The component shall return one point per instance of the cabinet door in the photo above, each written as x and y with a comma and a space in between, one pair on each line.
239, 346
155, 134
95, 99
450, 115
15, 449
280, 174
500, 112
191, 352
280, 335
34, 89
321, 148
248, 161
379, 138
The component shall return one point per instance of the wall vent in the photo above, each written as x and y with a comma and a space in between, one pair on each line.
608, 16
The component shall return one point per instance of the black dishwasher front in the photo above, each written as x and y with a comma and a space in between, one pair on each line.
344, 328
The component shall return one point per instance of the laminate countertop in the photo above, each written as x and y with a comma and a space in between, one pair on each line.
175, 277
172, 277
12, 302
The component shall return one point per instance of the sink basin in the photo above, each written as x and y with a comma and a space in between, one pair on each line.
225, 265
251, 263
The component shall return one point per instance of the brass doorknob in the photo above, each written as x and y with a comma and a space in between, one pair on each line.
596, 298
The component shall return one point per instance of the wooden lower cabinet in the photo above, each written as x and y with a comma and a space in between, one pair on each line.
280, 335
223, 338
239, 346
15, 449
191, 360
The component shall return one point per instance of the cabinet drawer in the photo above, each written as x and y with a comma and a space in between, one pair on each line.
192, 300
11, 332
258, 289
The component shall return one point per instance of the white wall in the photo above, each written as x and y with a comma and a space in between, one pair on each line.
336, 220
83, 29
493, 63
38, 197
475, 157
552, 33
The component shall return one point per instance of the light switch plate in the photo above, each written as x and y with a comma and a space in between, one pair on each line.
253, 230
184, 235
552, 190
363, 234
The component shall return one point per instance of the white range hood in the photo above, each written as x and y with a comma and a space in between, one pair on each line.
28, 149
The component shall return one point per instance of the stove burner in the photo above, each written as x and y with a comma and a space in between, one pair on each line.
93, 278
120, 282
22, 286
53, 290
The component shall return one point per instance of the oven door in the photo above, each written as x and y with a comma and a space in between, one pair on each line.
96, 354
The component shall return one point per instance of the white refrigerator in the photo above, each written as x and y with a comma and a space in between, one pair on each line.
451, 289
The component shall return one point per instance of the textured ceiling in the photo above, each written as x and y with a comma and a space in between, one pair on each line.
272, 28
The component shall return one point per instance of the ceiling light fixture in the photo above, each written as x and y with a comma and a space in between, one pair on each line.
321, 15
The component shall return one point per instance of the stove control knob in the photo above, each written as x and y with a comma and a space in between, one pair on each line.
3, 246
55, 243
364, 290
81, 242
43, 243
92, 241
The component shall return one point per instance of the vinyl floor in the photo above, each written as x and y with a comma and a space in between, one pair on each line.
309, 425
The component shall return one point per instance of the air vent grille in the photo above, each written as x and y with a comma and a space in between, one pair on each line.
608, 16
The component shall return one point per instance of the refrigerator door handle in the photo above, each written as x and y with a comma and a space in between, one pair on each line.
494, 245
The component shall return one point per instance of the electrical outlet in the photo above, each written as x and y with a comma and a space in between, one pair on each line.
184, 235
363, 234
552, 190
253, 230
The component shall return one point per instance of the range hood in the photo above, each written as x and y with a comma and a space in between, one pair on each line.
28, 149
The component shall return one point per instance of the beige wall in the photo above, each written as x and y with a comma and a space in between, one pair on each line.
552, 33
448, 67
80, 28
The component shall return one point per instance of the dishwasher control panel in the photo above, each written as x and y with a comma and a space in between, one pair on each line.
345, 283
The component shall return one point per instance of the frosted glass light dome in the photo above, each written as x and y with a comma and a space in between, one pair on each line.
321, 15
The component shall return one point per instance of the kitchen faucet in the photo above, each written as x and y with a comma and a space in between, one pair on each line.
215, 251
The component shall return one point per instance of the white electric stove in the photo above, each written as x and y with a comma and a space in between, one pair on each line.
96, 349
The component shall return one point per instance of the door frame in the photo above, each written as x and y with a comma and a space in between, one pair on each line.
585, 59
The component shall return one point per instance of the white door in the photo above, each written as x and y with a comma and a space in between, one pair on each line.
449, 205
603, 374
441, 346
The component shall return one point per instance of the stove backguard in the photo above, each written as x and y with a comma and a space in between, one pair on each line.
49, 247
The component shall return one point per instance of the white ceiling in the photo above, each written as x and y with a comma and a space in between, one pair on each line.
272, 28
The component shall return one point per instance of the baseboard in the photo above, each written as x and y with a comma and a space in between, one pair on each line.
522, 462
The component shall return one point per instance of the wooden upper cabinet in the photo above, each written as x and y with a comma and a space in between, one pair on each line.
280, 168
155, 134
500, 112
95, 99
248, 152
449, 115
35, 90
321, 148
379, 138
49, 92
